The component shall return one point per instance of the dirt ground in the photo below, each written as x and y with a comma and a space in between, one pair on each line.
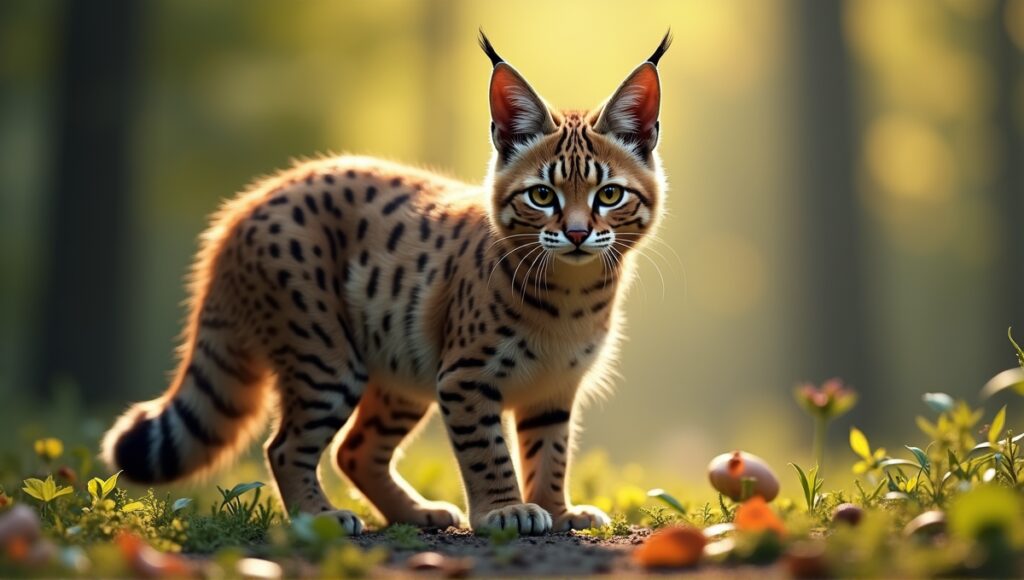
553, 555
550, 555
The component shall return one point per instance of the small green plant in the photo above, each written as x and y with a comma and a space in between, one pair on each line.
501, 544
232, 521
811, 484
230, 497
500, 537
657, 517
615, 528
668, 500
728, 513
1016, 347
404, 537
1010, 379
706, 515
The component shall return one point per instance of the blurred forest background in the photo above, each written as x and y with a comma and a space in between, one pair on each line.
847, 195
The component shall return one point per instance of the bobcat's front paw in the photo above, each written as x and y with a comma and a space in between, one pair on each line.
526, 518
580, 517
436, 515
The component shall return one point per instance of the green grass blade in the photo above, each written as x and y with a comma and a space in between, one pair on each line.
669, 500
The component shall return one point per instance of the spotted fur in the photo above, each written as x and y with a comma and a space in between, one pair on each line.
353, 296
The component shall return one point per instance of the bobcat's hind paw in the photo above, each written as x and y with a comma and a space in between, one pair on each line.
580, 517
435, 515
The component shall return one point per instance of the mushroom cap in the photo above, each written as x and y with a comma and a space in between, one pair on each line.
727, 472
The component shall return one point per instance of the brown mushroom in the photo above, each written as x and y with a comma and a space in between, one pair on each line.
20, 521
929, 525
728, 471
847, 513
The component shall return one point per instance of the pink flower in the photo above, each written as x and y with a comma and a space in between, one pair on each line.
828, 401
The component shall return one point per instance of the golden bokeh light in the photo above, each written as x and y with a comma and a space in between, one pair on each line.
732, 274
909, 159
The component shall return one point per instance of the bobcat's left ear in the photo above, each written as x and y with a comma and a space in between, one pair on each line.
631, 114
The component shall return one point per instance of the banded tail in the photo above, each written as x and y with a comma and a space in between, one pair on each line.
215, 403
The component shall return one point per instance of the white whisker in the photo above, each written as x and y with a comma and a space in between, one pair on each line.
515, 249
526, 277
657, 268
520, 265
499, 240
621, 259
679, 260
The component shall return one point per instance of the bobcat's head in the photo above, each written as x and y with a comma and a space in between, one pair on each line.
576, 185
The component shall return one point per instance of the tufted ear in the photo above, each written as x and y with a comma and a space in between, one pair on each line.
518, 114
631, 113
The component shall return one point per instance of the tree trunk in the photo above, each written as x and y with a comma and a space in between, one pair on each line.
1009, 188
831, 298
84, 286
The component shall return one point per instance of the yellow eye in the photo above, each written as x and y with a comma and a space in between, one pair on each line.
541, 196
609, 195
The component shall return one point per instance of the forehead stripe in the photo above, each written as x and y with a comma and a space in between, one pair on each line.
561, 140
590, 144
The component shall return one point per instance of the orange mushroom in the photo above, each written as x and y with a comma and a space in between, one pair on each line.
754, 515
673, 547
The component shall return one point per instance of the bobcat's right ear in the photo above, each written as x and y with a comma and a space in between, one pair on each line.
518, 114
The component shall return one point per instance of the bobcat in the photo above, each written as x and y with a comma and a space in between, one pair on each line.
351, 294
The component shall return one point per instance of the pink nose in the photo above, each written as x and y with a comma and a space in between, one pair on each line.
577, 236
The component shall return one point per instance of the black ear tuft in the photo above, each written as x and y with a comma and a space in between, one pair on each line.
489, 50
665, 43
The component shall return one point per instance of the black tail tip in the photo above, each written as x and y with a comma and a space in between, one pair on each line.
492, 54
666, 42
131, 452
